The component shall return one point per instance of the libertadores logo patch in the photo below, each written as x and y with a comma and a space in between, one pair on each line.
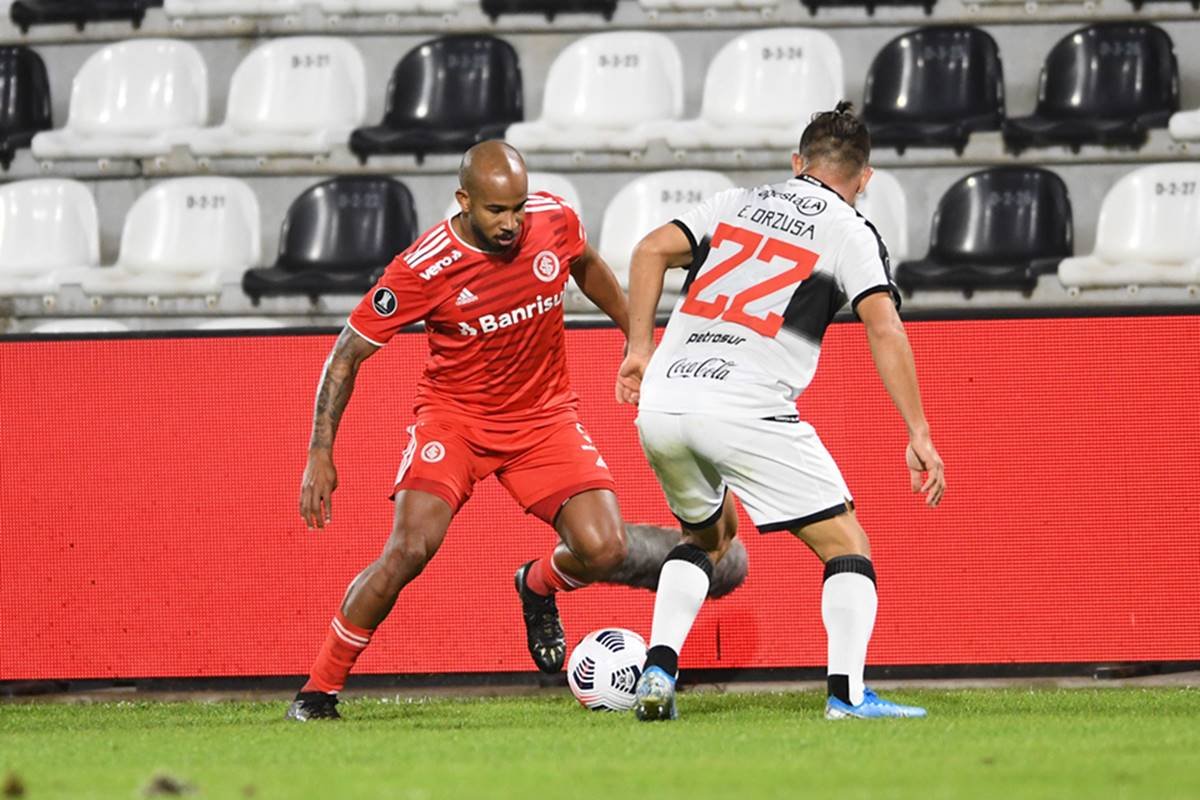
384, 302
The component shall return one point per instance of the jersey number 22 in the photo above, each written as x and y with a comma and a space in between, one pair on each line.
748, 242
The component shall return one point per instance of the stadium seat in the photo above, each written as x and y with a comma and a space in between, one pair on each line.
389, 6
557, 185
446, 95
25, 103
264, 116
337, 236
1137, 4
494, 8
645, 203
27, 13
606, 92
239, 323
82, 325
223, 8
932, 87
48, 228
869, 5
998, 228
185, 236
132, 99
1105, 84
886, 206
1148, 232
690, 5
1185, 125
761, 90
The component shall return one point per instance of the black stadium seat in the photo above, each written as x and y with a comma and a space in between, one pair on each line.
337, 235
999, 228
24, 100
446, 95
25, 13
1137, 4
932, 87
869, 5
1105, 84
494, 8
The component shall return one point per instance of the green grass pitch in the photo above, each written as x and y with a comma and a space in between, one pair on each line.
1007, 743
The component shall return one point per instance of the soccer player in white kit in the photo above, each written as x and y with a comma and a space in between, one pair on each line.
768, 268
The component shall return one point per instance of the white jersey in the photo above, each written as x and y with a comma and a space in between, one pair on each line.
771, 266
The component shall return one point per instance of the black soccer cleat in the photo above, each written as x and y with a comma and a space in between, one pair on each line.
543, 630
313, 705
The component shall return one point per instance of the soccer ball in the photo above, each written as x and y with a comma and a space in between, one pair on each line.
605, 667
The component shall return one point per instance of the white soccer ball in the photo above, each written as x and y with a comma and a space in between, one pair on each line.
605, 667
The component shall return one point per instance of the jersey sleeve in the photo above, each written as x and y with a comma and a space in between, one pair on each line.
699, 223
397, 299
863, 266
576, 234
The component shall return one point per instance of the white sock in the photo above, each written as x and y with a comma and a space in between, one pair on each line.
848, 605
682, 587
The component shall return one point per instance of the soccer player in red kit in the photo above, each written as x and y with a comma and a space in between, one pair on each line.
494, 398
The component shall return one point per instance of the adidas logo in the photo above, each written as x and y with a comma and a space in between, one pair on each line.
464, 297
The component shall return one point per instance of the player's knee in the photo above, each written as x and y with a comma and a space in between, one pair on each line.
403, 559
605, 550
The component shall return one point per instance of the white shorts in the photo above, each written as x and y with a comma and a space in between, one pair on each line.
778, 468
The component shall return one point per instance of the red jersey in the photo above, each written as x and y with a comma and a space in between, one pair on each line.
494, 321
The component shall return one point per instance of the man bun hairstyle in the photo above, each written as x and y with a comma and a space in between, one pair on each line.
837, 139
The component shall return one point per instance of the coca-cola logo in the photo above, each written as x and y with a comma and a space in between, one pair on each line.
716, 369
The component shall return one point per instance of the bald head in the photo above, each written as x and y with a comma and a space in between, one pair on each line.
493, 188
492, 166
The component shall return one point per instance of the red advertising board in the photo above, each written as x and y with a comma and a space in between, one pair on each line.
149, 523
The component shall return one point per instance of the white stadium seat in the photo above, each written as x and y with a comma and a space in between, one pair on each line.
48, 229
82, 325
1185, 125
691, 5
647, 202
131, 100
1148, 232
885, 205
186, 236
761, 90
388, 6
224, 8
603, 91
555, 184
300, 95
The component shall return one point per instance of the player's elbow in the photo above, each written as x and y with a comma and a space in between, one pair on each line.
662, 248
646, 256
879, 317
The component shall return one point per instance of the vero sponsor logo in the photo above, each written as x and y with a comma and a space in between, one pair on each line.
440, 264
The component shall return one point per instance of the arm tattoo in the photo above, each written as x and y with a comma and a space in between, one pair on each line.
337, 384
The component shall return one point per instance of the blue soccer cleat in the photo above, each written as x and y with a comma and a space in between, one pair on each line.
655, 696
872, 707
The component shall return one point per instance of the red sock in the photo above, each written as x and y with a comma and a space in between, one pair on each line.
545, 578
343, 644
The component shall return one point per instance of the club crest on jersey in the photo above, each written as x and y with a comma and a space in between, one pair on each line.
545, 266
433, 452
384, 302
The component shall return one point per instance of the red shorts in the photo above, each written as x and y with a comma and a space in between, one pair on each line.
541, 467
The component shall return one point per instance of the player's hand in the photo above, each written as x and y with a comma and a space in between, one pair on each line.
316, 489
629, 378
925, 470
